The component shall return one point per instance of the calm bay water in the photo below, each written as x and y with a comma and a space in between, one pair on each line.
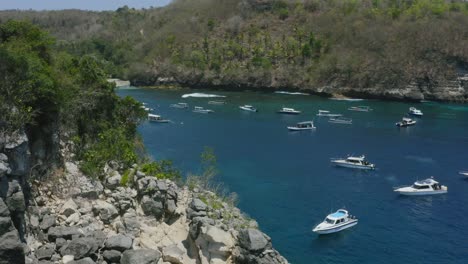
285, 181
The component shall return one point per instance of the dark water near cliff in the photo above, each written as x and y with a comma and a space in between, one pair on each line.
285, 181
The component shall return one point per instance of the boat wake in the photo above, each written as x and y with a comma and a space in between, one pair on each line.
201, 95
291, 93
421, 159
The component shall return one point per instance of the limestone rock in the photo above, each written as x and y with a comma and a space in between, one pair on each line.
47, 222
112, 256
105, 210
11, 249
45, 252
119, 242
113, 181
82, 261
198, 205
68, 208
252, 239
79, 247
152, 207
16, 202
140, 256
62, 232
174, 254
67, 259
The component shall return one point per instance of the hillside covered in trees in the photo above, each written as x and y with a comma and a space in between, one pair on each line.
405, 49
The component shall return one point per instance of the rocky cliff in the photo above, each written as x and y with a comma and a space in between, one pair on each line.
69, 218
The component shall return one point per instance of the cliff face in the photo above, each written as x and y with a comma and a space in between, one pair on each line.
69, 218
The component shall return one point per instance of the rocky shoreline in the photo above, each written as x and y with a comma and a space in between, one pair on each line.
69, 218
448, 91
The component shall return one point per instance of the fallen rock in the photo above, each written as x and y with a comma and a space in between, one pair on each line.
82, 261
113, 181
65, 232
174, 254
105, 210
68, 208
140, 256
79, 247
67, 259
11, 249
198, 205
112, 256
47, 222
45, 252
252, 239
119, 242
16, 202
152, 207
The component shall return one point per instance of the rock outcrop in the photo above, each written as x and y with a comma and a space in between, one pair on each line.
70, 218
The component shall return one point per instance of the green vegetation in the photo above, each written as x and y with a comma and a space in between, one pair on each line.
45, 90
162, 170
271, 43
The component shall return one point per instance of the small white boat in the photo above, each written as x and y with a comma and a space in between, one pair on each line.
216, 102
424, 187
415, 112
288, 111
179, 105
327, 113
199, 109
360, 108
464, 173
341, 120
406, 122
147, 109
248, 108
338, 221
354, 163
157, 119
306, 125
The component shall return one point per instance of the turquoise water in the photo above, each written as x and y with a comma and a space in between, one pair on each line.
285, 181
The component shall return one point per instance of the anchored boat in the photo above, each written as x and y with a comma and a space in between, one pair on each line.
288, 111
248, 108
216, 102
424, 187
406, 122
306, 125
327, 113
415, 112
464, 173
179, 105
201, 110
338, 221
360, 108
157, 119
354, 163
341, 120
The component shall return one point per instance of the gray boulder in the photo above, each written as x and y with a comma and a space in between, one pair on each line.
11, 249
65, 232
112, 256
119, 242
79, 247
69, 207
82, 261
140, 256
45, 252
5, 225
252, 240
114, 181
152, 207
198, 205
47, 222
105, 210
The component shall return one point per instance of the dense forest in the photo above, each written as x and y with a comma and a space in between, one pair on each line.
295, 44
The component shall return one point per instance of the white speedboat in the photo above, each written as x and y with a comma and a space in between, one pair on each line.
306, 125
424, 187
415, 112
179, 105
288, 111
338, 221
157, 119
341, 120
354, 163
327, 114
360, 108
406, 122
147, 109
216, 102
464, 173
248, 108
199, 109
